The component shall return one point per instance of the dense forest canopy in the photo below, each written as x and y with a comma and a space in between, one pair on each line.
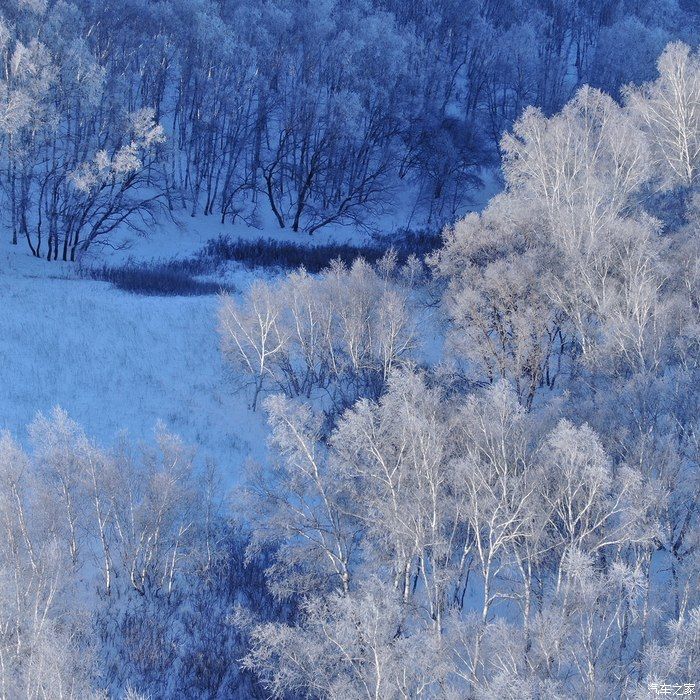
484, 464
303, 113
521, 519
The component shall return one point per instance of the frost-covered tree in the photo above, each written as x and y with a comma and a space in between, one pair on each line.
366, 101
336, 336
502, 321
667, 109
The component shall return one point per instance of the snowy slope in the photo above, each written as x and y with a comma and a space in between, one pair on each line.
117, 361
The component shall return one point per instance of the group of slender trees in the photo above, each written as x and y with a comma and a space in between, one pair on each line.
300, 113
521, 519
484, 468
121, 571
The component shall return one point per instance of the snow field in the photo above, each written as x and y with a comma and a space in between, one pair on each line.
117, 361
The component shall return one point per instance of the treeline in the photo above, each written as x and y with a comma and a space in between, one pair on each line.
311, 113
520, 519
120, 571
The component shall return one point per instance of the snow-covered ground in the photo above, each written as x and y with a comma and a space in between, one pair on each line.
117, 361
185, 235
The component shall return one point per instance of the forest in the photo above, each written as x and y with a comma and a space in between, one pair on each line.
482, 473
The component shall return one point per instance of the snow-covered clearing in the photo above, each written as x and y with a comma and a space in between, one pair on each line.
117, 361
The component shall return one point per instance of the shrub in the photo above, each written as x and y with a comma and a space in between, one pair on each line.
315, 258
173, 278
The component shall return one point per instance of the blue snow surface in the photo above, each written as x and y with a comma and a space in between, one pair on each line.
117, 361
120, 362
